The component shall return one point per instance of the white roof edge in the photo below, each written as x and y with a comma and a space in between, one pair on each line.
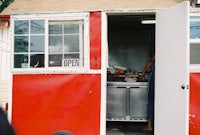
139, 10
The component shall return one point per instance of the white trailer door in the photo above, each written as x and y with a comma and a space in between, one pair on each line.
172, 77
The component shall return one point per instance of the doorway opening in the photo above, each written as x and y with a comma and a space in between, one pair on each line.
131, 43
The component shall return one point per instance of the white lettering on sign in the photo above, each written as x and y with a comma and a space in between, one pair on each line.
70, 62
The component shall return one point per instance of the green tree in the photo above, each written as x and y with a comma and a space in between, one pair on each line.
4, 4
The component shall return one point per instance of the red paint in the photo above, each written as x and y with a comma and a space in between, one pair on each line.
95, 40
6, 106
5, 17
5, 20
4, 24
43, 104
194, 123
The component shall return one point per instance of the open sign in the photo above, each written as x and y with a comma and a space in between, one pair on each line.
71, 62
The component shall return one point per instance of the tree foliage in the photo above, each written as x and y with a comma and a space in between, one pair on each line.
4, 4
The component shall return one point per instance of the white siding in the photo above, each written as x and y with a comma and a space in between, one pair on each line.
4, 65
3, 93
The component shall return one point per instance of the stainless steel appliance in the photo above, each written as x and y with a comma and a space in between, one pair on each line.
127, 101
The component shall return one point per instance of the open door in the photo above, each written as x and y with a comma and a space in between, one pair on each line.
172, 76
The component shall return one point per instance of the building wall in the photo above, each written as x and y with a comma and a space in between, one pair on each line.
3, 93
4, 65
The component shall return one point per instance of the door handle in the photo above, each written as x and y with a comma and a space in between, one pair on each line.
185, 86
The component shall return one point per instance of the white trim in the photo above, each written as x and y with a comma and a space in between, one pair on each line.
194, 68
195, 41
46, 59
104, 59
121, 10
56, 71
10, 99
187, 95
132, 11
51, 16
194, 11
86, 45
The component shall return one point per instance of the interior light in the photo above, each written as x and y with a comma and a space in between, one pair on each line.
148, 21
198, 1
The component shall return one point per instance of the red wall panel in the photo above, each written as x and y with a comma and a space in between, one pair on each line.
95, 40
194, 123
43, 104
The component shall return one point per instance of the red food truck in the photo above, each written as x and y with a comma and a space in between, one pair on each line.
68, 69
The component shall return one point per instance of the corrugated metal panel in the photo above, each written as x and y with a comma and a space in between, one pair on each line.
74, 5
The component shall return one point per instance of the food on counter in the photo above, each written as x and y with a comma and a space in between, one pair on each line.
130, 79
118, 70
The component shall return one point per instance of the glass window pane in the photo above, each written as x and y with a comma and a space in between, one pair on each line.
37, 27
37, 44
21, 61
67, 56
21, 44
55, 60
195, 29
37, 60
64, 40
55, 29
21, 27
195, 54
55, 44
71, 43
71, 29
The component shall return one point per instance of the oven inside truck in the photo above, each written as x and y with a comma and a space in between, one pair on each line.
131, 43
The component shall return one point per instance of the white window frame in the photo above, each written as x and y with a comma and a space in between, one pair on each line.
53, 17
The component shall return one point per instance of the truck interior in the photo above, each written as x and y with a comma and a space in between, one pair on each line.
131, 43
